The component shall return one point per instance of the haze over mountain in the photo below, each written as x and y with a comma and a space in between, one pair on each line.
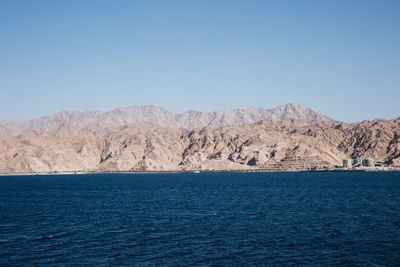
158, 116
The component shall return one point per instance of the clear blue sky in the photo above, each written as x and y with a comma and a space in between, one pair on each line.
338, 57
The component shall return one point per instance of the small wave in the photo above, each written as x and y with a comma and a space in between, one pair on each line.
51, 236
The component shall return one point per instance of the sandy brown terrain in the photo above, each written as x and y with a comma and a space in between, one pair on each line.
286, 143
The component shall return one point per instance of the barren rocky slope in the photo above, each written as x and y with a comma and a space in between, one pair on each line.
273, 145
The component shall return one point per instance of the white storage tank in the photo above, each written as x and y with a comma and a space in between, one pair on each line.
347, 163
368, 162
357, 162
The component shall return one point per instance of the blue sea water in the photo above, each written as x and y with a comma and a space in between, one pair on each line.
206, 219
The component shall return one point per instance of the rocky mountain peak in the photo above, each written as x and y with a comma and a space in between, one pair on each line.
159, 116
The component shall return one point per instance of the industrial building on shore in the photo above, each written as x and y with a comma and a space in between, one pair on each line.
358, 162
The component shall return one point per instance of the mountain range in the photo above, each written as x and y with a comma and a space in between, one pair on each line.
160, 117
150, 138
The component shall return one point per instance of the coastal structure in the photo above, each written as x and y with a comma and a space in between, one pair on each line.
347, 163
368, 162
358, 162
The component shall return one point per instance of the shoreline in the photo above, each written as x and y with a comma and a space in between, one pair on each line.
376, 169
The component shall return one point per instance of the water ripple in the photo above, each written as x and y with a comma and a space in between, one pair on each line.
211, 219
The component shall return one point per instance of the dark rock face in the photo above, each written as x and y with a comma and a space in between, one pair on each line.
252, 162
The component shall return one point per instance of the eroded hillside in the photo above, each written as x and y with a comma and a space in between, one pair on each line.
268, 145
